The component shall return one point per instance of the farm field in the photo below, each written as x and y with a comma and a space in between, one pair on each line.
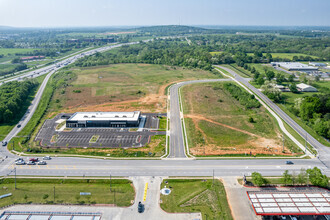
286, 55
67, 191
121, 87
196, 195
217, 124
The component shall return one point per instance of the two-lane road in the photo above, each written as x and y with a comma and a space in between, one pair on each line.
177, 147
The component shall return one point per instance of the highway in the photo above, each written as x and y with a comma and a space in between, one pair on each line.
74, 166
323, 151
177, 147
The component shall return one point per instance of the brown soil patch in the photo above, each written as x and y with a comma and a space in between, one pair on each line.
257, 144
149, 103
200, 117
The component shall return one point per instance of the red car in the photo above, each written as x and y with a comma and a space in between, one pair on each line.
34, 159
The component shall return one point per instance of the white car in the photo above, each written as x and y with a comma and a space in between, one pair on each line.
47, 158
42, 163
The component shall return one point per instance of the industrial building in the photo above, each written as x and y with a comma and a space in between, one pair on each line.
294, 66
302, 87
318, 64
104, 119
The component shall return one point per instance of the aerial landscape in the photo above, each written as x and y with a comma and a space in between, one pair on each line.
164, 110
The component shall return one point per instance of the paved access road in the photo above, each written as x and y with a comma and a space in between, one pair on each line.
323, 151
177, 148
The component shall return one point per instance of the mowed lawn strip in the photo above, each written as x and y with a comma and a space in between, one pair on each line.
67, 191
196, 195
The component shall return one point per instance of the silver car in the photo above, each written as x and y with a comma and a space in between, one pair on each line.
21, 162
42, 163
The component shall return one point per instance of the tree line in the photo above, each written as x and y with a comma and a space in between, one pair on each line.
305, 177
247, 100
13, 96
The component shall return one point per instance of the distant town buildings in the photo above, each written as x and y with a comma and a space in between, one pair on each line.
90, 40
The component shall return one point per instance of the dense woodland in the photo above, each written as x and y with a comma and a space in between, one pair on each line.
13, 97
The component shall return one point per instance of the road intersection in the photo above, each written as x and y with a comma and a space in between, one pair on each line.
71, 166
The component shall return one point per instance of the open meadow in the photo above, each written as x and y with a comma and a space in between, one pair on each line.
122, 87
67, 191
218, 124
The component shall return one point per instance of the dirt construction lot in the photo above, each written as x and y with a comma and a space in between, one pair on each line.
217, 124
121, 87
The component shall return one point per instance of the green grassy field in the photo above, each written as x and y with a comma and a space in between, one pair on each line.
13, 51
162, 123
262, 67
140, 86
217, 124
67, 191
196, 195
286, 55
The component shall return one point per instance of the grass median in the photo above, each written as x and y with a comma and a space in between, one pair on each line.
67, 191
196, 195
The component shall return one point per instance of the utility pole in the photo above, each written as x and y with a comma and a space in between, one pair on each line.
54, 193
213, 179
306, 143
283, 141
15, 178
110, 182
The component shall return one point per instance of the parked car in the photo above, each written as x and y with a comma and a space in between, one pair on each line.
19, 159
47, 158
289, 162
140, 207
31, 163
42, 163
21, 162
34, 160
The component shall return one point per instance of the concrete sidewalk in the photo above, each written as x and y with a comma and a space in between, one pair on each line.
238, 200
152, 208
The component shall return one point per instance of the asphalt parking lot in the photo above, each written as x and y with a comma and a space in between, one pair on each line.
48, 136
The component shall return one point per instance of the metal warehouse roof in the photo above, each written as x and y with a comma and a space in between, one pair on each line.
104, 116
17, 215
304, 86
289, 203
295, 66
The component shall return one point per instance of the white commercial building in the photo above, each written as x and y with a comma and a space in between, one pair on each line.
302, 87
295, 66
104, 119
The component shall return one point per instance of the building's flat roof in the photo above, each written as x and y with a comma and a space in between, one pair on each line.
295, 66
105, 116
304, 86
290, 203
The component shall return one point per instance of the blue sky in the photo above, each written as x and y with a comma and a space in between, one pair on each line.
65, 13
